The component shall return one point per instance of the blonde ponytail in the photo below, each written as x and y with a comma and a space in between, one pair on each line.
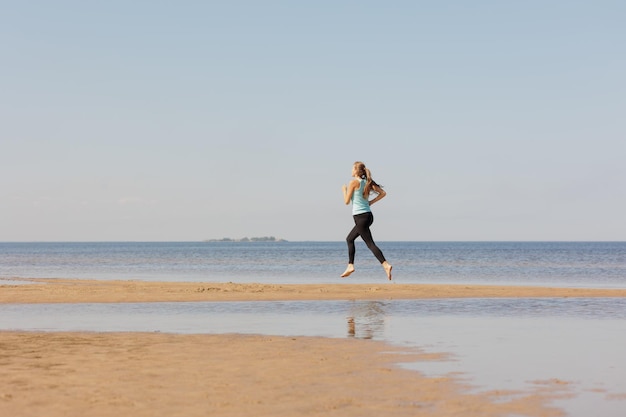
363, 172
368, 183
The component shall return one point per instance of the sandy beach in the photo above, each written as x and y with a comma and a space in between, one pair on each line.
154, 374
100, 291
147, 374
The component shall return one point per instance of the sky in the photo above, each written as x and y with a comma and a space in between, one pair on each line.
191, 120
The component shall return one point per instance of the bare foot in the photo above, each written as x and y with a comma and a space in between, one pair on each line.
387, 268
348, 271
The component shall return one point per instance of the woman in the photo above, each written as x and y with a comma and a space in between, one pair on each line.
358, 192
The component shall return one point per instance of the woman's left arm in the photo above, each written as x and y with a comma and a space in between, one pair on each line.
380, 194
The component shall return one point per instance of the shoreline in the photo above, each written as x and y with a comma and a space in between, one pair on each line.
155, 374
58, 290
162, 374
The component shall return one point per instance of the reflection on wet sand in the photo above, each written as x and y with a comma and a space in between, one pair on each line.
366, 320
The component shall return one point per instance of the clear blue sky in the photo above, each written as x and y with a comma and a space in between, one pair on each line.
186, 120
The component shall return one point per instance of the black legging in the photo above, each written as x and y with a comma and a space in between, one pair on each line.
362, 223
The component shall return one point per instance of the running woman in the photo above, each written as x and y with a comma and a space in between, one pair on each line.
358, 192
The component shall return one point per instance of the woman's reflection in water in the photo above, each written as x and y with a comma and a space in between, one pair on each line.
366, 319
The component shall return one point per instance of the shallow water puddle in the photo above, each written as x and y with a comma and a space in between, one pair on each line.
499, 344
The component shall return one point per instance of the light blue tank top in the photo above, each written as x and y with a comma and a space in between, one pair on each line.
360, 204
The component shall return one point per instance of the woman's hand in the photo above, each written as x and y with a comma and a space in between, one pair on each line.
380, 194
349, 190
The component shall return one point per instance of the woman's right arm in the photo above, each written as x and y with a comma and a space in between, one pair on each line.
348, 190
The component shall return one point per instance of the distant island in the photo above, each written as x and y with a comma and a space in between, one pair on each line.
247, 239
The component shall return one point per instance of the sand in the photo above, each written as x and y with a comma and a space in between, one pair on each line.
100, 291
151, 374
154, 374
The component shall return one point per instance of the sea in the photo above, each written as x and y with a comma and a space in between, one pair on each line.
519, 344
562, 264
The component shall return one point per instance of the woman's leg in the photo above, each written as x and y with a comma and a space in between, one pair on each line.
364, 230
354, 233
363, 225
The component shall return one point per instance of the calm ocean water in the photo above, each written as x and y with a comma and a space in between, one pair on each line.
569, 264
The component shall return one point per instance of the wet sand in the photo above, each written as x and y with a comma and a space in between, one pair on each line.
95, 291
152, 374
